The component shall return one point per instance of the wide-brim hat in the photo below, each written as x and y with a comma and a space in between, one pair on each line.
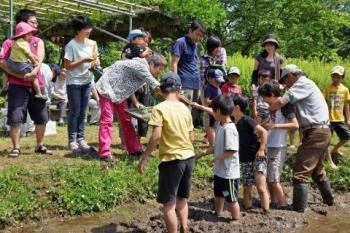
23, 28
270, 39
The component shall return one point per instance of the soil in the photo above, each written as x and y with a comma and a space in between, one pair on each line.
139, 218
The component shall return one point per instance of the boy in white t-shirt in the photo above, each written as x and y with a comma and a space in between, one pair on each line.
280, 122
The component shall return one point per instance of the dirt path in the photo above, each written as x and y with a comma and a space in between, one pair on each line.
148, 218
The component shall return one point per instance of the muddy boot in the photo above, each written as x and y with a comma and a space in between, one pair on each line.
300, 197
326, 192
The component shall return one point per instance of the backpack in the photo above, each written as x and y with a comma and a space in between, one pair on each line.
211, 69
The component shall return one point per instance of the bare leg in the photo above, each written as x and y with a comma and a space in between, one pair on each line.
247, 197
278, 193
260, 181
338, 145
219, 205
170, 218
329, 158
182, 212
39, 131
235, 210
15, 133
211, 136
36, 87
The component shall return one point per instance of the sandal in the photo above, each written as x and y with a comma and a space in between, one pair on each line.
43, 150
14, 153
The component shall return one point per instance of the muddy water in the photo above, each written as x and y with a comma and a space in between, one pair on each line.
334, 222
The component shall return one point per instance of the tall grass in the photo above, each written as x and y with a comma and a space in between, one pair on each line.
317, 70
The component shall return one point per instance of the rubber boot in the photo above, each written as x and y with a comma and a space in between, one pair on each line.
326, 192
300, 191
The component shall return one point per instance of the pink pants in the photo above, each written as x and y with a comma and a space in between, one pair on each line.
106, 126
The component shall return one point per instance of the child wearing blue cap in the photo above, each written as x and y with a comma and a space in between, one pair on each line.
215, 78
173, 130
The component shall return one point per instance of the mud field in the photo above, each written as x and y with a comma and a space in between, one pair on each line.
140, 218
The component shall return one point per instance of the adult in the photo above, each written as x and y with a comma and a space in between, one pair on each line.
81, 53
185, 60
214, 54
314, 121
21, 93
118, 82
268, 59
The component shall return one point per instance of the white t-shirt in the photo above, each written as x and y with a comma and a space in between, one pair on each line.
47, 78
75, 51
278, 137
226, 139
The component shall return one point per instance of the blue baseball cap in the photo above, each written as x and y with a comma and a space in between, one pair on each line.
170, 81
219, 76
135, 33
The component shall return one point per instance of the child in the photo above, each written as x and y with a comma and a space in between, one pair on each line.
226, 161
337, 97
280, 122
231, 87
260, 108
22, 60
251, 153
215, 78
173, 128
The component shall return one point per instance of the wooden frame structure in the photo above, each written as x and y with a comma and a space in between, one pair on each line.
63, 9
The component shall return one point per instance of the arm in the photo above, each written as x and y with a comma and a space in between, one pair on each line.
254, 111
135, 102
292, 124
207, 101
262, 133
202, 108
209, 151
191, 135
41, 56
69, 65
8, 71
222, 157
277, 105
152, 145
347, 112
95, 95
174, 61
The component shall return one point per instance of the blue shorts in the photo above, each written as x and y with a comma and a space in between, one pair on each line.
20, 67
226, 188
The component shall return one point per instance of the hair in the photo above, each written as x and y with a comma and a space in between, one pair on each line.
23, 15
169, 86
149, 35
157, 59
270, 89
213, 42
198, 25
223, 103
80, 22
264, 73
241, 100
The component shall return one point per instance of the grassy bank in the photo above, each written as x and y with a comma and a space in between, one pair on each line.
34, 185
318, 71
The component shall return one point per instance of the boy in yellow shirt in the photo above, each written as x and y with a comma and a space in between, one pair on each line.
173, 130
337, 97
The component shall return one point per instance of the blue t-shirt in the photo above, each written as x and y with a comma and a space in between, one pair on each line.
187, 68
211, 92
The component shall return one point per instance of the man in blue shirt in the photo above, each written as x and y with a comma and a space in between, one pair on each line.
185, 60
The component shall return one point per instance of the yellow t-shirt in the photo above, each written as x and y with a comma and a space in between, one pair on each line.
20, 51
336, 97
176, 122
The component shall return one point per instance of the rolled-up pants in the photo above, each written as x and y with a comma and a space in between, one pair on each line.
311, 155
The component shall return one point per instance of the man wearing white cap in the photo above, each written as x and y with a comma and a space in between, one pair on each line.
314, 121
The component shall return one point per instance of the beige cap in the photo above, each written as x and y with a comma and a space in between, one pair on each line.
338, 70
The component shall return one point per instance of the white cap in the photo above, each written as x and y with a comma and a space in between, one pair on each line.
234, 70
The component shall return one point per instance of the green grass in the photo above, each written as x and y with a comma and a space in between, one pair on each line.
317, 70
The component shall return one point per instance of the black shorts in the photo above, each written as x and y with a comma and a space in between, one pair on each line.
20, 100
227, 188
175, 179
341, 129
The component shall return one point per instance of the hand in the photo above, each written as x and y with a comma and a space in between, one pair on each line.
141, 166
29, 77
198, 156
260, 153
269, 126
216, 161
139, 106
88, 59
195, 105
348, 123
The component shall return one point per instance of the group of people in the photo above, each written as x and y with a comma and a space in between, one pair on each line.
252, 145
